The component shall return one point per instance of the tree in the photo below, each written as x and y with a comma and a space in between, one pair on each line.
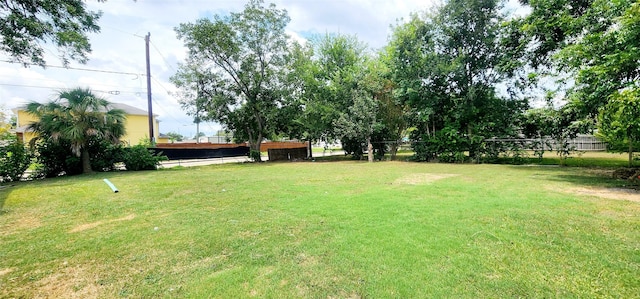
194, 84
173, 136
76, 117
593, 42
244, 56
446, 65
619, 122
26, 24
5, 123
359, 122
328, 76
561, 125
14, 159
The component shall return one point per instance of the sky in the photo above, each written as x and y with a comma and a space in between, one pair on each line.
119, 47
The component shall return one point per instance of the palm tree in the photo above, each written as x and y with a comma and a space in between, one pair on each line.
77, 115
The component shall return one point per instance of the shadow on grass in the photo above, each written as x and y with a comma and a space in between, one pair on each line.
582, 176
5, 190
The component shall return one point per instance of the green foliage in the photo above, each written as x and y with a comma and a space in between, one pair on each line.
246, 55
5, 123
353, 147
619, 122
173, 136
15, 158
26, 25
138, 157
446, 66
594, 43
105, 156
445, 145
55, 158
76, 118
255, 155
345, 94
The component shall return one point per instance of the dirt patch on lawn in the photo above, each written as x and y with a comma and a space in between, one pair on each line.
608, 193
23, 222
69, 282
5, 271
422, 178
87, 226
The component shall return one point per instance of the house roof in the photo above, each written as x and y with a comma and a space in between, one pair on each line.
130, 110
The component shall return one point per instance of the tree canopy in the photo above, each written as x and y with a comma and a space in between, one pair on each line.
26, 24
78, 117
450, 79
244, 57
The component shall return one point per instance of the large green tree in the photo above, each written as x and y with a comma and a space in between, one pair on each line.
592, 42
336, 97
25, 25
74, 118
619, 122
245, 56
446, 66
595, 42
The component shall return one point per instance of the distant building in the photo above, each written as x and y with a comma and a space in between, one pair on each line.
136, 124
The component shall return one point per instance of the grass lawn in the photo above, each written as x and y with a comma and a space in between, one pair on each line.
323, 230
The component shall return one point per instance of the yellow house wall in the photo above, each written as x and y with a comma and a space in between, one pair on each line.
136, 126
137, 129
163, 140
24, 119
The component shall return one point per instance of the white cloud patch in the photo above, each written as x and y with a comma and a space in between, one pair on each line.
120, 47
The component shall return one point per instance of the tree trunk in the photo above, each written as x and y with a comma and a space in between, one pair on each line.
472, 150
309, 149
394, 150
630, 152
254, 146
369, 149
86, 161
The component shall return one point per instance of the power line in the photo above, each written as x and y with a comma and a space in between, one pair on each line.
161, 55
158, 82
113, 92
78, 68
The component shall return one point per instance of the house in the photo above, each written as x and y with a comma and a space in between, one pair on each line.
136, 125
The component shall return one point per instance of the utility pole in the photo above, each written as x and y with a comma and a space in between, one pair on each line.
152, 137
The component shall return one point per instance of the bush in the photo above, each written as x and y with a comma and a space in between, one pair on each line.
55, 158
446, 145
255, 155
14, 160
353, 147
105, 155
140, 158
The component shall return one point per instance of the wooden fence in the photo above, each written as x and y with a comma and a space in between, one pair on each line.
265, 146
287, 154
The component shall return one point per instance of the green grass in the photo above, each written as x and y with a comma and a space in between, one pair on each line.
321, 229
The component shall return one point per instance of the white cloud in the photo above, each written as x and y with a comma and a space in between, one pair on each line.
120, 47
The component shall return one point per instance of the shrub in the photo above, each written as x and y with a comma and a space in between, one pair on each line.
446, 145
353, 147
105, 155
55, 158
254, 155
14, 160
138, 157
